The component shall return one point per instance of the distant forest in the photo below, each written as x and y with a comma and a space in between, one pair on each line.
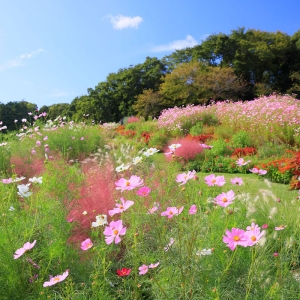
241, 65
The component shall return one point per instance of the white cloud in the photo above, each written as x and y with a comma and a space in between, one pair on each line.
176, 45
19, 61
121, 22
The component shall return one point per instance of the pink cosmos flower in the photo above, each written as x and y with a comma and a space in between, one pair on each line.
225, 199
153, 266
212, 180
193, 209
125, 204
38, 143
172, 211
258, 171
143, 191
86, 244
143, 269
45, 138
241, 162
7, 181
82, 138
130, 184
152, 210
262, 172
33, 152
184, 177
237, 181
27, 246
253, 234
280, 227
56, 279
206, 146
265, 226
235, 237
113, 232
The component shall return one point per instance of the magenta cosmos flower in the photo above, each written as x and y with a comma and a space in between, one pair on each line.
241, 162
253, 234
237, 181
184, 177
235, 237
113, 232
86, 244
56, 279
27, 246
130, 184
225, 199
212, 180
193, 209
143, 191
172, 211
125, 204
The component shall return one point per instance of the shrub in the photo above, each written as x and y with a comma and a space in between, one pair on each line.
220, 148
241, 140
196, 129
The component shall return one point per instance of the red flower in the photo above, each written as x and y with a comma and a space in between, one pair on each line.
123, 272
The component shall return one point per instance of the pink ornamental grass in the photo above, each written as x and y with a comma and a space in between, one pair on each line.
130, 184
235, 237
125, 204
113, 232
212, 180
56, 279
27, 246
143, 191
172, 211
86, 244
187, 151
184, 177
225, 199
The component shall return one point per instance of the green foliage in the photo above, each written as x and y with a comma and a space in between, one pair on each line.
241, 139
158, 140
220, 148
197, 129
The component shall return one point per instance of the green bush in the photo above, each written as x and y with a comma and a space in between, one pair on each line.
220, 148
241, 139
197, 129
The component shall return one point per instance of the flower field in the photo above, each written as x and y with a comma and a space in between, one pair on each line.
202, 203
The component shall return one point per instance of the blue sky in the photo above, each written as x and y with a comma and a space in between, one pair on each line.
53, 50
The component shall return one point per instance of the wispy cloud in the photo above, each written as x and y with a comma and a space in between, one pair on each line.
176, 45
20, 60
121, 22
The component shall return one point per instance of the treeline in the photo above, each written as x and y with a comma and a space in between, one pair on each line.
241, 65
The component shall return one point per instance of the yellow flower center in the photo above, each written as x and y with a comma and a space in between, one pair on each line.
214, 181
224, 200
127, 183
236, 238
56, 279
115, 232
253, 238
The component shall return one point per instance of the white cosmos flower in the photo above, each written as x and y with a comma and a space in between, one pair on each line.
100, 220
150, 151
24, 190
137, 160
36, 180
122, 167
